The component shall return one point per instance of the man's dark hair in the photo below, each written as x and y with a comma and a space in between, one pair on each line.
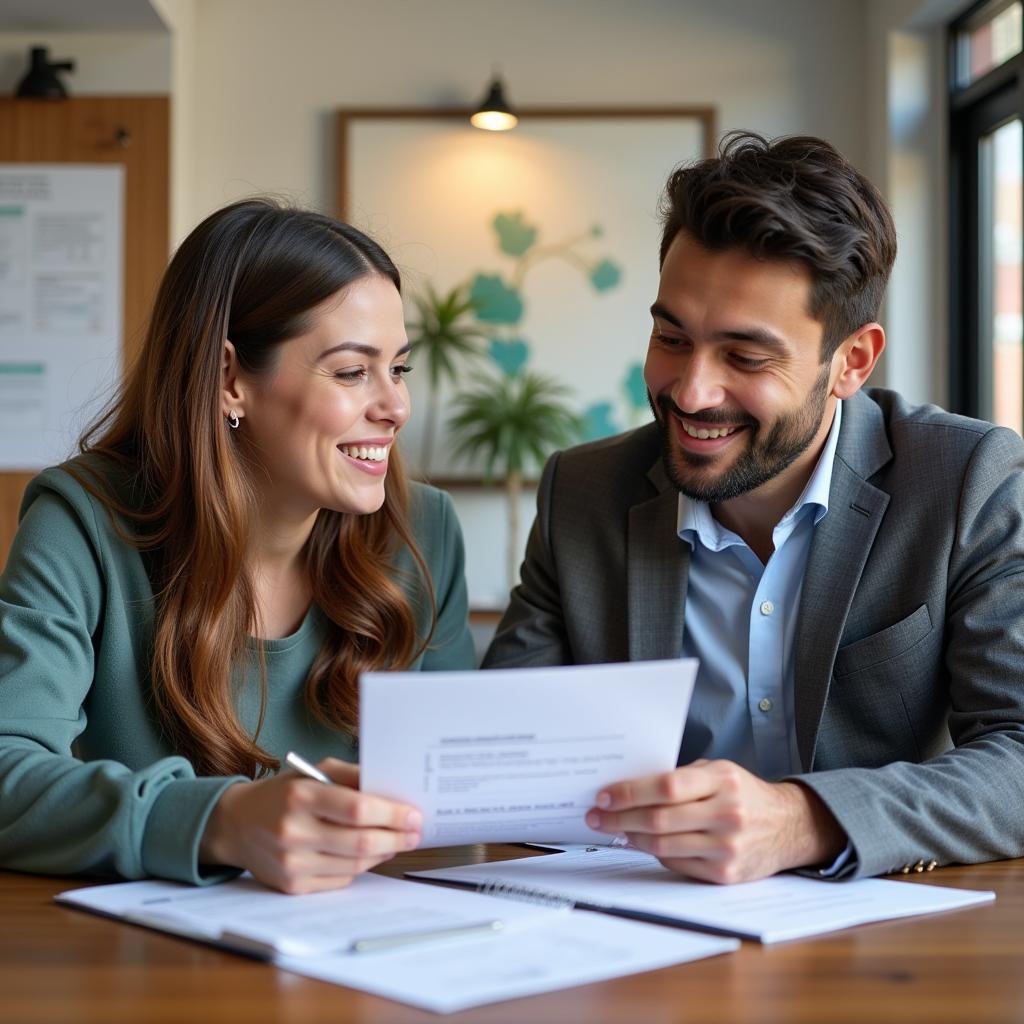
796, 199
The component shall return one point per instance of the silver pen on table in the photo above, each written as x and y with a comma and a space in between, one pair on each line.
382, 942
303, 767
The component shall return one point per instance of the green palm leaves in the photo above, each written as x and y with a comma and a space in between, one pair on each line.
446, 336
512, 422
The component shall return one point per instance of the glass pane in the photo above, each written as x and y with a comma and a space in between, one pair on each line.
1002, 328
991, 38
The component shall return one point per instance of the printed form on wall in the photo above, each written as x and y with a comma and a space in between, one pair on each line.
61, 231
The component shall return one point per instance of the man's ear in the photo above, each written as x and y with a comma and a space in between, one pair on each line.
855, 359
232, 387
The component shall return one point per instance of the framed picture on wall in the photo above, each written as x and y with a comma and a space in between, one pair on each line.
546, 235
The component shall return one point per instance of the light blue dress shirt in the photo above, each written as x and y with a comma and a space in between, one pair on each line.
741, 623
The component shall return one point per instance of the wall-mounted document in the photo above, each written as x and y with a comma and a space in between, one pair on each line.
516, 755
61, 231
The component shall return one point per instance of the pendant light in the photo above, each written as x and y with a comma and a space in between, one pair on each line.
495, 113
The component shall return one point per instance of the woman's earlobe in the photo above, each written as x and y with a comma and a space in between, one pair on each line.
231, 386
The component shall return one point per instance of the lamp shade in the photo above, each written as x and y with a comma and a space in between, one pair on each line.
41, 81
495, 113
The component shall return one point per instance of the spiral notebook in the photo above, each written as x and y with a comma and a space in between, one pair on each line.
630, 884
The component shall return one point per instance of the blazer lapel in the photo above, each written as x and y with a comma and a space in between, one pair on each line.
658, 563
839, 552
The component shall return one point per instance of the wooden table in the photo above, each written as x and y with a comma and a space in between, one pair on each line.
63, 966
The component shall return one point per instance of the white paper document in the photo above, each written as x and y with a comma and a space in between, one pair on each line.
771, 910
575, 949
512, 755
494, 948
248, 916
61, 291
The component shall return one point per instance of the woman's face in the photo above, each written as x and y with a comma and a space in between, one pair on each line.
321, 425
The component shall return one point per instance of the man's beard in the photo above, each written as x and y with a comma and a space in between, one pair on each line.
763, 459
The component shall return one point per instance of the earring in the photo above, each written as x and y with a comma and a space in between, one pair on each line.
232, 418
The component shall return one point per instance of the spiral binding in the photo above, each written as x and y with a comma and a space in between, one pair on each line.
523, 893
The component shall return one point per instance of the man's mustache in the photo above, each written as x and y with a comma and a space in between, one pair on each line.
712, 417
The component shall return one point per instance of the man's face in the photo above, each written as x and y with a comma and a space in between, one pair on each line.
733, 371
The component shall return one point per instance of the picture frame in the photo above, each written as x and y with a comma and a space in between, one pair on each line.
551, 228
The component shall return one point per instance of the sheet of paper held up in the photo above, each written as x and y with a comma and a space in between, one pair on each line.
512, 755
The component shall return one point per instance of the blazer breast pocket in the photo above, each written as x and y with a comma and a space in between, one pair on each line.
883, 646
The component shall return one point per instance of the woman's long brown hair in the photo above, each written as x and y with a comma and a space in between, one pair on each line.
251, 273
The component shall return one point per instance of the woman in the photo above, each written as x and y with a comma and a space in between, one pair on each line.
244, 485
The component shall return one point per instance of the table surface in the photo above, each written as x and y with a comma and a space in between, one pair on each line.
63, 965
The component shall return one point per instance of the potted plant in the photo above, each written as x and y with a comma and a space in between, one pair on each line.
513, 422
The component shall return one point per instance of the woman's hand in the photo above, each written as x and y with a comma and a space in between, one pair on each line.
300, 836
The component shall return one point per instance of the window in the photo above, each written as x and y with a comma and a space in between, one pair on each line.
988, 37
987, 185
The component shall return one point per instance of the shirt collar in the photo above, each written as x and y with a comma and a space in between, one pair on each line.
695, 522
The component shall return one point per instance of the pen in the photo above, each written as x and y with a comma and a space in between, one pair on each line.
409, 938
303, 767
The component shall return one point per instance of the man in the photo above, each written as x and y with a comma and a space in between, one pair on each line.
847, 567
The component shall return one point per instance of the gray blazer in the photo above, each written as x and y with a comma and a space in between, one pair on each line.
909, 679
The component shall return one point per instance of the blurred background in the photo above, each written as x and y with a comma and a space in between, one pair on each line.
541, 239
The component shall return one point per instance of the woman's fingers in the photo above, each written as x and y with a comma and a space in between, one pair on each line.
310, 883
344, 806
360, 843
344, 773
296, 870
299, 835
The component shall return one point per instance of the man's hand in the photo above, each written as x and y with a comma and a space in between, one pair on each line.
715, 821
301, 836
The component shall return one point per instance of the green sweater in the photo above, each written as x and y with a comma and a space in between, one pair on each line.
87, 784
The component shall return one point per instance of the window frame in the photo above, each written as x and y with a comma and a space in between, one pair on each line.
975, 110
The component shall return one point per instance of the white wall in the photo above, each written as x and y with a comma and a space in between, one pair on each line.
180, 18
269, 74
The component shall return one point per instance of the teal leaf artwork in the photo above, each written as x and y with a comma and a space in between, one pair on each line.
635, 386
515, 236
598, 422
495, 301
605, 275
510, 355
